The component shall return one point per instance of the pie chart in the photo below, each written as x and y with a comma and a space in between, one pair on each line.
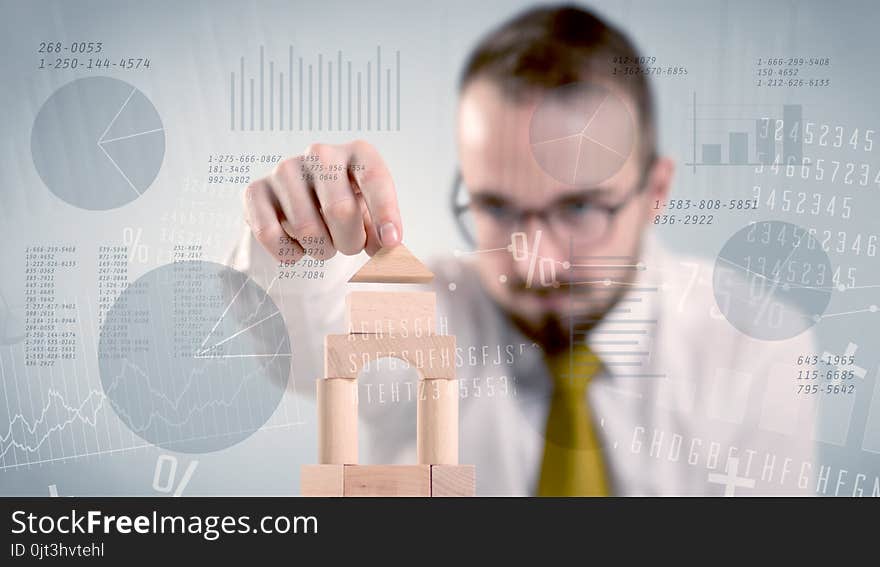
581, 134
772, 280
194, 357
98, 143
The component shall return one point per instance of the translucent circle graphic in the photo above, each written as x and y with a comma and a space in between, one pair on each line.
581, 134
194, 357
98, 143
772, 280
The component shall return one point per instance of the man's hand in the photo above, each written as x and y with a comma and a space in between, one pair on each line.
327, 199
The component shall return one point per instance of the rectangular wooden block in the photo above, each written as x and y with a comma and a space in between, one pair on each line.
453, 480
394, 313
432, 355
387, 480
321, 480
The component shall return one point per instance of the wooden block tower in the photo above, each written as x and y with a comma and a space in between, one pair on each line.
398, 324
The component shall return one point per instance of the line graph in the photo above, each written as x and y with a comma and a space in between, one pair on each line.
78, 410
56, 398
169, 405
225, 396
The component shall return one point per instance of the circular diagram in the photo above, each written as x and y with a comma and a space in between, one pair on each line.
581, 134
772, 280
98, 143
194, 356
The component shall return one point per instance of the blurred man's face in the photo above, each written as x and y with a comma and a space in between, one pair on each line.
518, 185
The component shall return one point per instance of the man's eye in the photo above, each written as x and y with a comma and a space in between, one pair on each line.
496, 209
576, 207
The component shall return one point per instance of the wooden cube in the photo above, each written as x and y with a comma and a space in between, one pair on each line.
321, 480
453, 480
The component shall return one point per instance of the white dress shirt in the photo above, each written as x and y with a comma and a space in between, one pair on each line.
676, 408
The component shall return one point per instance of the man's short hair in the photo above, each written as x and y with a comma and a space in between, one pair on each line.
547, 47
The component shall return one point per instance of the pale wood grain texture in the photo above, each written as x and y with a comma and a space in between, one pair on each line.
389, 324
337, 421
453, 480
387, 480
393, 264
433, 356
321, 480
392, 313
437, 422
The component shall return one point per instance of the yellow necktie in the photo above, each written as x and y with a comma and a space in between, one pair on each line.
572, 464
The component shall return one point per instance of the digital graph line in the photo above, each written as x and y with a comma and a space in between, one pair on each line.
87, 411
250, 316
65, 421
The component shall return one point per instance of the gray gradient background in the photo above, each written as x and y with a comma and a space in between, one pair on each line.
194, 45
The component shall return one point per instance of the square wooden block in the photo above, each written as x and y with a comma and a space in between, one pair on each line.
387, 480
321, 480
453, 480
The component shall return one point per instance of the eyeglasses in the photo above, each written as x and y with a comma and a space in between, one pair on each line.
577, 215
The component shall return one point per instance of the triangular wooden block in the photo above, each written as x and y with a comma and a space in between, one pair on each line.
393, 264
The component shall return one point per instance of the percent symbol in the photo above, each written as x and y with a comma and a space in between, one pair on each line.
168, 486
519, 248
132, 239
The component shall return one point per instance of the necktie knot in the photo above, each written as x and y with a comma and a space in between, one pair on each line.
572, 370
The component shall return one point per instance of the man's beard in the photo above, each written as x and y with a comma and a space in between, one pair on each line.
554, 332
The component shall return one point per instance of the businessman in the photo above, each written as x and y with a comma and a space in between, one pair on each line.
560, 210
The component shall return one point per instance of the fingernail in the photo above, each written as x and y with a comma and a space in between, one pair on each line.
388, 234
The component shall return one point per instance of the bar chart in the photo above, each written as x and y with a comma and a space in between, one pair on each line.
315, 93
745, 134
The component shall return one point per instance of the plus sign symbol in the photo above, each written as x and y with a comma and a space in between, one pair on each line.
731, 480
848, 354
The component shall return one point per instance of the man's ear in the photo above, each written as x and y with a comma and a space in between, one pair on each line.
660, 178
659, 182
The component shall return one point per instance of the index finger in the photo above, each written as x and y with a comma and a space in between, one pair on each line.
368, 171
